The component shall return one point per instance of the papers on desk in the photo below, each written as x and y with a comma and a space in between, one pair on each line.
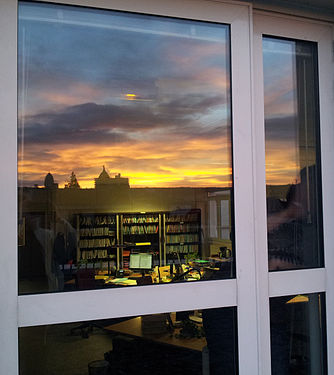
192, 279
122, 281
101, 277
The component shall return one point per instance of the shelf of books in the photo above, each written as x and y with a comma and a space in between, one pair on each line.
97, 236
140, 233
171, 237
182, 235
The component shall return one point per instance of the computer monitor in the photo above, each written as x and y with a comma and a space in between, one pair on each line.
141, 261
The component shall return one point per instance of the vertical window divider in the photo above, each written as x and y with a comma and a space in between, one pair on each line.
8, 189
249, 350
260, 221
326, 98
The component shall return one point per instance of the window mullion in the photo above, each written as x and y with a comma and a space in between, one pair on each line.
243, 196
8, 175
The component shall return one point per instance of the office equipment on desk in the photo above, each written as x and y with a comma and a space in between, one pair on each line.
219, 268
188, 275
141, 262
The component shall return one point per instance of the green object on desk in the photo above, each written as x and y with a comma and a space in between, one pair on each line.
123, 281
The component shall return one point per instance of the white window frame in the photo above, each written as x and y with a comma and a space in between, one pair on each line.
253, 284
274, 284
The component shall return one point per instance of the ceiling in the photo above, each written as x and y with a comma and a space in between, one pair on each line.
325, 7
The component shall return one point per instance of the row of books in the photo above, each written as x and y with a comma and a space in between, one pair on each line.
141, 229
140, 219
96, 231
177, 228
97, 220
93, 254
96, 242
182, 218
177, 238
184, 249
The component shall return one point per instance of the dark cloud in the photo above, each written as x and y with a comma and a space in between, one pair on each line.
192, 104
100, 124
30, 154
85, 123
287, 129
281, 128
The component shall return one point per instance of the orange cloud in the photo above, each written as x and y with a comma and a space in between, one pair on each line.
156, 164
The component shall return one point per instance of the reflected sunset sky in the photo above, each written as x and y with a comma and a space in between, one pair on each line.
281, 112
148, 97
145, 96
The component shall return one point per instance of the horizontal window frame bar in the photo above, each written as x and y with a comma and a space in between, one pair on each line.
56, 308
285, 283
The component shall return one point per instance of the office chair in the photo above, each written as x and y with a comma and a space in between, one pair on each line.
85, 279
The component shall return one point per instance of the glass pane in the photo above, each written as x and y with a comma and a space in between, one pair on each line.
124, 146
293, 175
298, 335
197, 342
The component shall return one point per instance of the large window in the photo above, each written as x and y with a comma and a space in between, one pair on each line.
293, 177
160, 143
124, 143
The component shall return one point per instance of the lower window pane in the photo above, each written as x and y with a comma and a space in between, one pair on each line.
298, 338
196, 342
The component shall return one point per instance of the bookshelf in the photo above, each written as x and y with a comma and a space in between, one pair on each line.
166, 235
97, 236
182, 234
140, 233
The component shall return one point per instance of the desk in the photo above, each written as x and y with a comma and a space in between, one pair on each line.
91, 278
135, 352
133, 328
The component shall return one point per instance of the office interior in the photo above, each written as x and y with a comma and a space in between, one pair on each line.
200, 342
114, 235
176, 343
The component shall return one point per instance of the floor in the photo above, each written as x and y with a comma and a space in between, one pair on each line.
52, 350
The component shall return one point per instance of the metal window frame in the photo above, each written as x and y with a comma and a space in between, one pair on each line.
253, 286
282, 283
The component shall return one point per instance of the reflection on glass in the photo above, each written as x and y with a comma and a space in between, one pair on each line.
199, 342
124, 145
293, 174
298, 341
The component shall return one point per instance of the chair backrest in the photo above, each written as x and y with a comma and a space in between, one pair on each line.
85, 279
145, 280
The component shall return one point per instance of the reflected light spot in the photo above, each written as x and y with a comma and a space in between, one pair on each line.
130, 96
